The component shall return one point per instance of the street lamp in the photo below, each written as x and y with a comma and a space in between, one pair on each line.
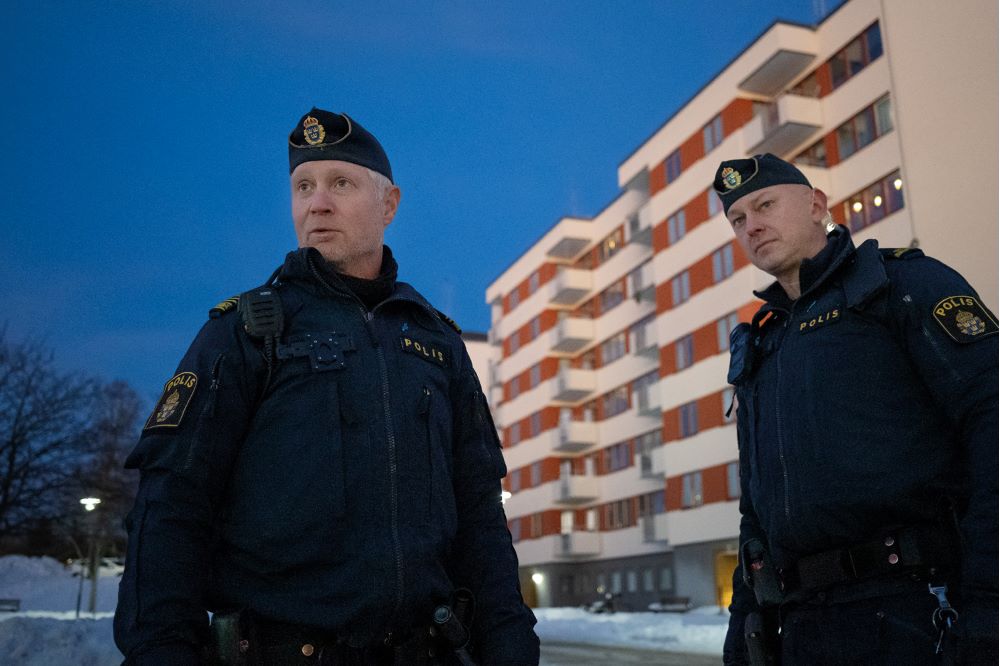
93, 551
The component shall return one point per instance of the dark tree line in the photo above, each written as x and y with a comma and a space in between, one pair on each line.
63, 437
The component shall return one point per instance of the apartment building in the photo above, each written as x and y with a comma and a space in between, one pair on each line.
610, 334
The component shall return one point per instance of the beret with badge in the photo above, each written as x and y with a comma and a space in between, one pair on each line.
737, 178
323, 135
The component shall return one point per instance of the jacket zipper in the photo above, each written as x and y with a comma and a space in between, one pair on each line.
778, 420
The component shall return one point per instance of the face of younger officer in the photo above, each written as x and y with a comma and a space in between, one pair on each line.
338, 209
779, 226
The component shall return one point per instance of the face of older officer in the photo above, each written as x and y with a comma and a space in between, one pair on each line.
342, 210
778, 227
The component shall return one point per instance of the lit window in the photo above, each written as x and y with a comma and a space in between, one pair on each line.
691, 490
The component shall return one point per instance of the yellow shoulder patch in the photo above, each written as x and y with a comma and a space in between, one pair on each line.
964, 318
224, 307
448, 320
170, 408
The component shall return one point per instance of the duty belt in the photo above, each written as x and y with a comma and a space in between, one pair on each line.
927, 550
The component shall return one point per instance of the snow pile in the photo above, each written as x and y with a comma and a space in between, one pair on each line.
45, 633
701, 631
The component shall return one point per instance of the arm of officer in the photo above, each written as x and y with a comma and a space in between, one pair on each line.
184, 456
483, 556
952, 340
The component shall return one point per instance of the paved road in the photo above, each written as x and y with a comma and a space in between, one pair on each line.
572, 654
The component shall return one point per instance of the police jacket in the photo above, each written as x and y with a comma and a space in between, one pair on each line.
868, 403
352, 489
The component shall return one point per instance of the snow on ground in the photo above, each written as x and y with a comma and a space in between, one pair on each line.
46, 632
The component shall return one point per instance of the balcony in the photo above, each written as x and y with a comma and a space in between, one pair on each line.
570, 286
576, 489
572, 385
572, 334
577, 545
777, 72
641, 227
784, 124
654, 528
575, 436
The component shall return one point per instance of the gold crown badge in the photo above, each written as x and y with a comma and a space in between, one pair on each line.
313, 131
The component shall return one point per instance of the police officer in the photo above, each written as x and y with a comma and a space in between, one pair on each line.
322, 472
866, 393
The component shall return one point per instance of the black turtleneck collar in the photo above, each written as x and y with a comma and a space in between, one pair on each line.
814, 270
369, 292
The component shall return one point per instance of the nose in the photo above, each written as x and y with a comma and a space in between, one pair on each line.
753, 224
321, 202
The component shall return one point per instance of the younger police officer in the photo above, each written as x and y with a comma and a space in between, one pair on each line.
323, 466
867, 416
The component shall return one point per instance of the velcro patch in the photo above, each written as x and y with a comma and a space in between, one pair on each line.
170, 408
811, 324
424, 351
964, 319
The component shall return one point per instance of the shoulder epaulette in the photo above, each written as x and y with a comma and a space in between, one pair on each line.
448, 320
225, 306
901, 252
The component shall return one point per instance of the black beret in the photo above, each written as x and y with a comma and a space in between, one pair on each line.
737, 178
322, 135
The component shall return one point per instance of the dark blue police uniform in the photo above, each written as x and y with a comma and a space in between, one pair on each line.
867, 420
347, 491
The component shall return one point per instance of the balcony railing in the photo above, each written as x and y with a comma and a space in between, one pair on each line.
575, 436
572, 385
653, 528
577, 545
572, 334
576, 489
570, 286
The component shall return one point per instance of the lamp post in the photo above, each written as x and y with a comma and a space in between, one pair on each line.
89, 504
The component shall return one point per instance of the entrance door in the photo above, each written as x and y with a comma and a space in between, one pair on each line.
725, 563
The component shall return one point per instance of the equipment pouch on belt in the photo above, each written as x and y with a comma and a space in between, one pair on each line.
760, 575
232, 642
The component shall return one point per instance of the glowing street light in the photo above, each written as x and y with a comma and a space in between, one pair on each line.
90, 503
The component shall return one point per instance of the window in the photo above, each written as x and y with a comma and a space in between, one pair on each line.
616, 582
615, 402
724, 328
617, 457
514, 298
644, 389
643, 333
673, 164
515, 433
631, 581
722, 263
874, 203
814, 155
515, 342
711, 134
515, 481
536, 423
689, 419
733, 480
871, 123
651, 503
536, 473
536, 525
613, 349
535, 375
691, 490
728, 410
684, 349
647, 580
676, 226
680, 288
807, 87
612, 296
515, 530
533, 282
666, 579
714, 203
536, 327
611, 244
515, 387
857, 55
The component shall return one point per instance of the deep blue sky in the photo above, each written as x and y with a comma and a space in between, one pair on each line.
143, 144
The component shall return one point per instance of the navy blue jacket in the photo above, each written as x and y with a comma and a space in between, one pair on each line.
863, 405
352, 491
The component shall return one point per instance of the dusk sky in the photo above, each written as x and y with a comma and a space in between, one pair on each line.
144, 145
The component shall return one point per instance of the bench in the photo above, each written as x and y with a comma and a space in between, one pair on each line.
671, 605
10, 605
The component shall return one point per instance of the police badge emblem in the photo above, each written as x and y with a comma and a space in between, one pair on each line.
964, 318
968, 323
170, 408
731, 178
312, 130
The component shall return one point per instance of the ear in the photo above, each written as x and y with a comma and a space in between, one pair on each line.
818, 208
390, 205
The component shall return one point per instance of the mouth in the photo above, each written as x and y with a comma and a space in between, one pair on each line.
321, 234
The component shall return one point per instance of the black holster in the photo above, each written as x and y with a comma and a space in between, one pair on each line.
233, 640
760, 630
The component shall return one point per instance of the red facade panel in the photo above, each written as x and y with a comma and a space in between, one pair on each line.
657, 178
737, 114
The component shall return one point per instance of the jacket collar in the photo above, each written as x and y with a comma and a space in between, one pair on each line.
814, 272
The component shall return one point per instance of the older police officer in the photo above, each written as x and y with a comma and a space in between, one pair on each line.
867, 417
322, 472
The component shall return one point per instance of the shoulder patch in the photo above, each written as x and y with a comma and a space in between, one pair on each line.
964, 319
170, 408
225, 306
448, 320
901, 252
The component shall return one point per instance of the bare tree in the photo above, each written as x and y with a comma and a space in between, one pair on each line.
44, 418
